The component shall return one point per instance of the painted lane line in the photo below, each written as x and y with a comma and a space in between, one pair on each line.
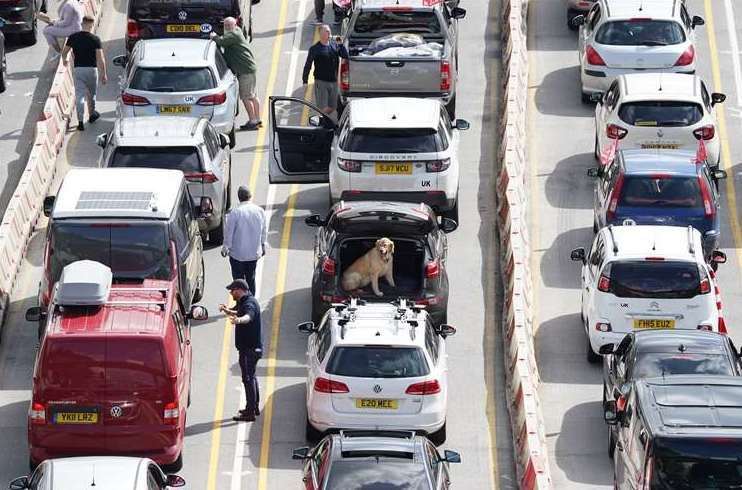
734, 45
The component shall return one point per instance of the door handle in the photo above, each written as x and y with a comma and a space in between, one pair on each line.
394, 64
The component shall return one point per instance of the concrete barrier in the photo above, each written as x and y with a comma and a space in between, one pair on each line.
521, 370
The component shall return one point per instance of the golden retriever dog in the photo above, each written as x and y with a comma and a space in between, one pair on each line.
377, 262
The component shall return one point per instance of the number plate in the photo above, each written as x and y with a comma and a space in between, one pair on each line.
76, 417
660, 146
404, 168
644, 323
192, 28
377, 403
174, 109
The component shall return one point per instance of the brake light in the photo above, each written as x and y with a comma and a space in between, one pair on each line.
705, 133
704, 327
213, 99
611, 213
328, 266
654, 259
709, 209
639, 19
604, 283
437, 165
687, 57
350, 165
131, 99
37, 413
203, 177
615, 132
344, 75
704, 287
132, 29
593, 58
431, 387
445, 76
171, 413
603, 327
432, 269
324, 385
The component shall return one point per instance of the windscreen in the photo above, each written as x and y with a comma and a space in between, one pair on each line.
72, 364
172, 79
663, 113
654, 279
640, 32
654, 364
183, 158
136, 365
698, 464
363, 140
135, 250
377, 474
662, 191
377, 362
380, 23
140, 8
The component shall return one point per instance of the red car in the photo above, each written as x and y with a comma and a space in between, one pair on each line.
112, 376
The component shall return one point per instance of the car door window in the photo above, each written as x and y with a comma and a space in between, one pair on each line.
323, 340
221, 65
706, 97
319, 462
431, 341
433, 463
179, 323
596, 255
212, 147
685, 17
612, 96
38, 477
593, 18
154, 481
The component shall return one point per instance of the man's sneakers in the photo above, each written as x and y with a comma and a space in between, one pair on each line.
251, 125
94, 116
246, 415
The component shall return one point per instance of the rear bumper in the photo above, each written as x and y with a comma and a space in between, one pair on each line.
435, 199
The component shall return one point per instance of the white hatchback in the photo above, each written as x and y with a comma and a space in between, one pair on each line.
658, 111
627, 36
377, 366
646, 277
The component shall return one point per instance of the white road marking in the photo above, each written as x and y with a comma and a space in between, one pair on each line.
734, 45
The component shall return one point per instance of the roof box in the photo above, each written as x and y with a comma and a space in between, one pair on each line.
84, 283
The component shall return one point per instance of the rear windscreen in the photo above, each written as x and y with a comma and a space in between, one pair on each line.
143, 7
393, 141
369, 221
654, 279
172, 79
73, 363
135, 364
660, 113
375, 23
183, 158
662, 191
640, 32
699, 463
654, 364
377, 362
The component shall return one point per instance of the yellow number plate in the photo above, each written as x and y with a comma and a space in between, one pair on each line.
183, 28
174, 109
393, 168
660, 146
76, 418
377, 403
652, 323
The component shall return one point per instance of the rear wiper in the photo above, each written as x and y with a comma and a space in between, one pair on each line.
162, 89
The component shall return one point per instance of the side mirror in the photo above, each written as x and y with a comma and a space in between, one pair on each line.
314, 220
718, 174
223, 140
448, 225
718, 98
35, 314
577, 20
462, 124
458, 13
610, 412
101, 140
315, 121
48, 205
306, 327
198, 312
300, 453
697, 21
175, 481
451, 456
606, 349
19, 483
718, 257
578, 255
205, 208
594, 172
120, 61
597, 97
446, 330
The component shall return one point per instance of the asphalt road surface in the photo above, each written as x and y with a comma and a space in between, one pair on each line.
219, 453
561, 143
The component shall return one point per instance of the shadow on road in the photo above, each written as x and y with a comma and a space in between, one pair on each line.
557, 270
568, 185
559, 94
560, 349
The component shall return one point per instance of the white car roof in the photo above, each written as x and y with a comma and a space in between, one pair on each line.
111, 473
118, 193
157, 131
417, 4
652, 9
174, 52
379, 323
642, 241
394, 112
660, 86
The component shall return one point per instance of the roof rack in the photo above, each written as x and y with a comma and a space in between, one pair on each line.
613, 239
347, 312
691, 248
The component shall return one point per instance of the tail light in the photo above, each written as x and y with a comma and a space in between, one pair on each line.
705, 133
445, 76
171, 413
213, 99
37, 413
131, 99
616, 132
604, 283
431, 387
328, 266
593, 58
705, 327
432, 269
615, 195
203, 177
132, 29
687, 57
350, 165
324, 385
704, 287
709, 210
437, 165
603, 327
344, 75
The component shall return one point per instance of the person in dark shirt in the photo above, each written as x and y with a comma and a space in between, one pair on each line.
88, 53
248, 341
325, 56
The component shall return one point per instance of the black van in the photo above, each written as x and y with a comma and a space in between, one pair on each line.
154, 19
678, 432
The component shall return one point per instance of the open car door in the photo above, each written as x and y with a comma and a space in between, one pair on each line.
301, 138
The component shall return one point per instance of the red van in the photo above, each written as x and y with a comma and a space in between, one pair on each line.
112, 376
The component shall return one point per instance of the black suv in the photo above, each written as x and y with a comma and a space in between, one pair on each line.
368, 459
154, 19
652, 353
679, 432
420, 248
21, 17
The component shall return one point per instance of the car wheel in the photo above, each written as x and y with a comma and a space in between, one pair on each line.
232, 138
438, 437
586, 98
596, 228
199, 293
312, 435
2, 77
216, 236
175, 466
611, 443
340, 107
451, 108
596, 150
453, 213
592, 357
29, 38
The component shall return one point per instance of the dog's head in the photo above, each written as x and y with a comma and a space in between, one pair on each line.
386, 248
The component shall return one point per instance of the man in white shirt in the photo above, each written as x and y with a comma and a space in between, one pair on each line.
245, 236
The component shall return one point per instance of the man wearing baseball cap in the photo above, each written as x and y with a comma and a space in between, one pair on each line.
248, 340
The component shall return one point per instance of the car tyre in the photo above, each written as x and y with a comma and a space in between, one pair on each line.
29, 38
216, 236
453, 213
585, 97
199, 293
451, 108
340, 107
312, 435
438, 437
232, 138
175, 466
592, 357
596, 228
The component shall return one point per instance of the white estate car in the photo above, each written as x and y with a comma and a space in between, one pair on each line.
377, 366
625, 36
387, 148
658, 111
646, 277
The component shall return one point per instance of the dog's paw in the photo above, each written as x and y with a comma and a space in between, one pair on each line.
379, 294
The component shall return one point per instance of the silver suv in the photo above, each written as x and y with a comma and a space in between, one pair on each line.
179, 77
190, 145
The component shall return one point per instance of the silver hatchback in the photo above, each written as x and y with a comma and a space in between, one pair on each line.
190, 145
179, 77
